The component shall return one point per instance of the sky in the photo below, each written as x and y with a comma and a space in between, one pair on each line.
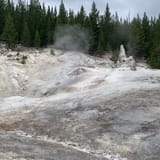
125, 8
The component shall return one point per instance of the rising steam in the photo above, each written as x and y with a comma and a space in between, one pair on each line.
71, 38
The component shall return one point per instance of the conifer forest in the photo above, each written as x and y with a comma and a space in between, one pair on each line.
34, 25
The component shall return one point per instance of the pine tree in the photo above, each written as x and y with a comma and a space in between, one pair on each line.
2, 15
43, 26
25, 39
34, 16
156, 33
37, 40
19, 16
9, 7
154, 59
136, 39
101, 38
107, 27
49, 26
114, 37
62, 17
94, 17
9, 33
80, 19
51, 17
71, 18
146, 32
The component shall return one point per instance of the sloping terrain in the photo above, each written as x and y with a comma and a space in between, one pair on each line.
72, 106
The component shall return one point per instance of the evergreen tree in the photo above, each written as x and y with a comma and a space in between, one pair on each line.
71, 18
34, 16
37, 40
43, 27
49, 26
62, 17
80, 19
156, 33
25, 39
101, 38
9, 9
114, 36
54, 23
9, 32
2, 15
87, 23
119, 33
136, 39
19, 14
154, 59
146, 32
94, 17
107, 27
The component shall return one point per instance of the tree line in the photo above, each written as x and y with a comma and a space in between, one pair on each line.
34, 25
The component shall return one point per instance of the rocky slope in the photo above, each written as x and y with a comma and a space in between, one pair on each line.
74, 106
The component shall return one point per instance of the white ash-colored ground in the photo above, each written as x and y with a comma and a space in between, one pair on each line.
74, 106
